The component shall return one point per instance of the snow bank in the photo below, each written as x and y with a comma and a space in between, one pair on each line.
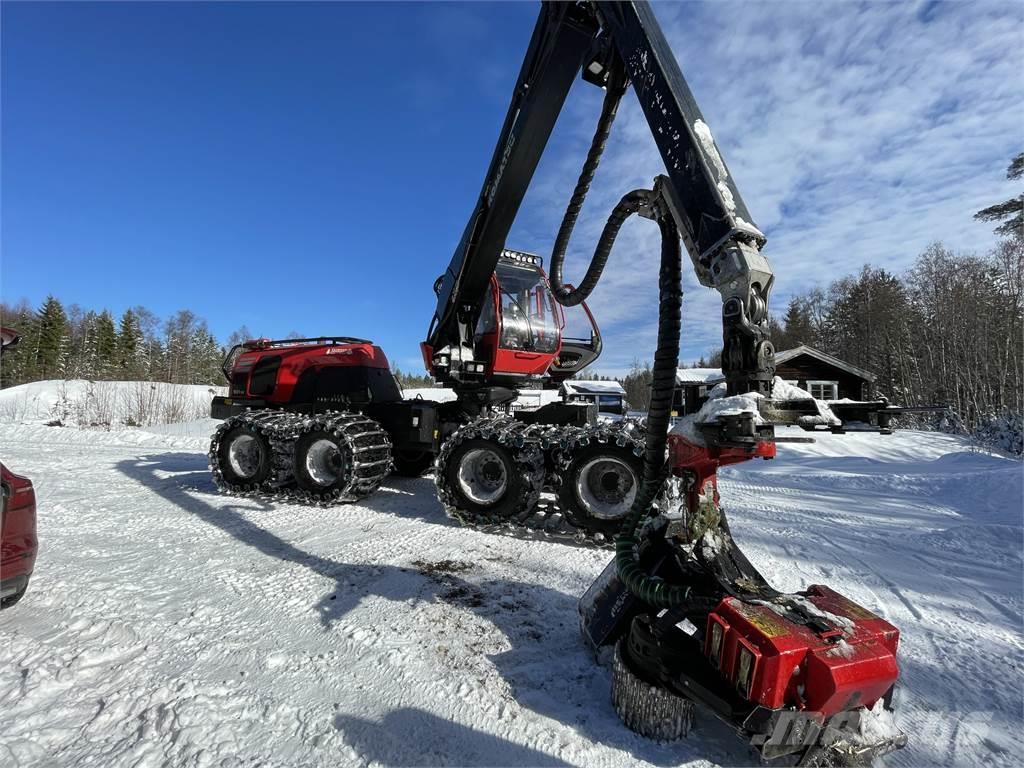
106, 404
438, 394
189, 435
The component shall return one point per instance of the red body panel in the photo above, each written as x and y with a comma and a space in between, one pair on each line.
428, 355
18, 542
518, 362
826, 672
704, 462
296, 360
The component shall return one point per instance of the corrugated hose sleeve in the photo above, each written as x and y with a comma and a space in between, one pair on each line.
564, 294
652, 590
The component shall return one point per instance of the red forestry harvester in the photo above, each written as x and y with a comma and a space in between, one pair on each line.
691, 619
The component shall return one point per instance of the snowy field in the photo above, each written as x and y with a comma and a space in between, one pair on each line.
106, 404
169, 625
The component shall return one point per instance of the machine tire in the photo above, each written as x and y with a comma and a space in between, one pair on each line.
410, 463
513, 474
322, 464
340, 457
233, 472
603, 463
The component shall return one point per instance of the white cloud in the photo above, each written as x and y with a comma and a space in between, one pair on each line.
857, 133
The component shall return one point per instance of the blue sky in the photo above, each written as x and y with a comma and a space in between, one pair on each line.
310, 167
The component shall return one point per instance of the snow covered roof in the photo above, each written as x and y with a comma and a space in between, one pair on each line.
803, 349
577, 387
699, 375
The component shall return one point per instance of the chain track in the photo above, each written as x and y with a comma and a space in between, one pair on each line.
367, 448
542, 454
539, 514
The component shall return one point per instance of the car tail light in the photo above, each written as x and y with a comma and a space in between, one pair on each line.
19, 496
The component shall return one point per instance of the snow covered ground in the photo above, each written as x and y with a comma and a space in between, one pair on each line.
169, 625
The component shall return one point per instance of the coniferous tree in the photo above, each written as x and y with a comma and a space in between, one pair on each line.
637, 384
87, 362
796, 327
130, 347
178, 332
1009, 212
106, 347
18, 365
206, 357
51, 354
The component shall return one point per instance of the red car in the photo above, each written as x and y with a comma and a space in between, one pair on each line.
18, 542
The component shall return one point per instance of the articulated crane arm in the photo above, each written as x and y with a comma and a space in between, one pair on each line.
612, 45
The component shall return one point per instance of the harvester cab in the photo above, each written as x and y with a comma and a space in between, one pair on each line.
518, 338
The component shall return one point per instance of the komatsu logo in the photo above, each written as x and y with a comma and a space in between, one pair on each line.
506, 152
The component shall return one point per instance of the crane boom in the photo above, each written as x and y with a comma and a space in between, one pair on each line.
601, 41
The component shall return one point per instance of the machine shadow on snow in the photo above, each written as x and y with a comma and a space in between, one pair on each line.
391, 498
535, 619
440, 742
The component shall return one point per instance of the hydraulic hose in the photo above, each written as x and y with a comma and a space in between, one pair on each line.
652, 590
565, 295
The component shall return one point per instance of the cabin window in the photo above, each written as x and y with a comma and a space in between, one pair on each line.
823, 390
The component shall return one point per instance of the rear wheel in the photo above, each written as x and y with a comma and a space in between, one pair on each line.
243, 459
340, 457
599, 486
321, 463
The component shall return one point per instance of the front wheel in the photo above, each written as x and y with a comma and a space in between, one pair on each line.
485, 479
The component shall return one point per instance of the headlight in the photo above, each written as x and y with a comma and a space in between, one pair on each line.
715, 644
744, 672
